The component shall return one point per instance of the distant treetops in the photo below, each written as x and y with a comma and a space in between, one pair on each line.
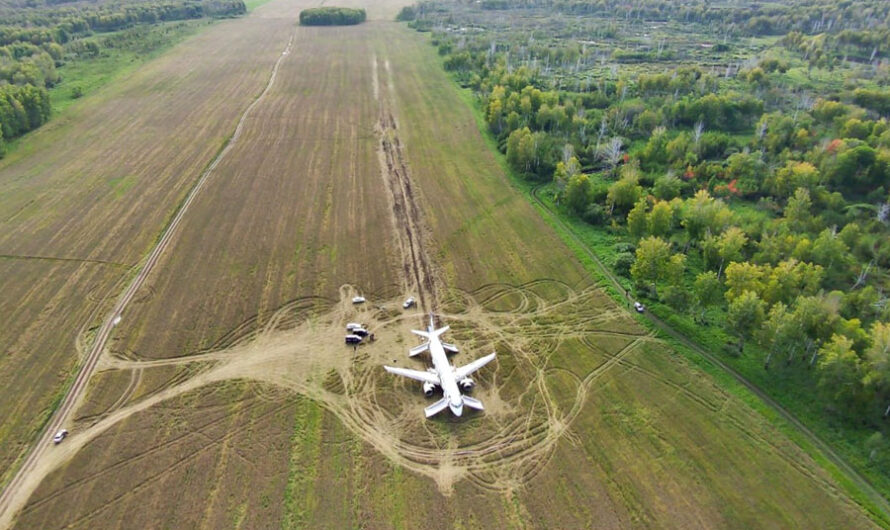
332, 16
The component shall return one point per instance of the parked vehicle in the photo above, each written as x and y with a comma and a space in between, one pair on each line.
410, 302
57, 439
639, 307
353, 339
358, 300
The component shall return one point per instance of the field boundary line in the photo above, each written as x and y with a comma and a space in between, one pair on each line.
67, 260
864, 485
18, 491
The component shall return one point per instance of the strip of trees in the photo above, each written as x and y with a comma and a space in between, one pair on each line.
332, 16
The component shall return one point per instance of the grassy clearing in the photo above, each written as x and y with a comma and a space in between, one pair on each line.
83, 77
253, 4
300, 495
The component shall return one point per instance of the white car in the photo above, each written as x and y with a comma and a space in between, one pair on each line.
639, 307
410, 302
358, 300
57, 439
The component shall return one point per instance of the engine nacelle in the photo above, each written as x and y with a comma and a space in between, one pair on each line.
466, 384
428, 389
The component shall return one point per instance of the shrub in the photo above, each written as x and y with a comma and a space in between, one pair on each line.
332, 16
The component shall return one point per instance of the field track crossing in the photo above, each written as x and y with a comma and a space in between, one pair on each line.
19, 489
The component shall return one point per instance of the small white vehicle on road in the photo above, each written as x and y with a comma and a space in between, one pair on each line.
57, 439
410, 302
639, 307
358, 300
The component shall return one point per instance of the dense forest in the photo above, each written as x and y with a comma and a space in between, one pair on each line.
736, 158
37, 38
332, 16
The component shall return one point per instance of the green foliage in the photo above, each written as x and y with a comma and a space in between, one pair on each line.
744, 316
667, 187
577, 193
660, 220
332, 16
656, 263
702, 213
531, 154
840, 373
624, 193
636, 219
876, 100
406, 14
707, 291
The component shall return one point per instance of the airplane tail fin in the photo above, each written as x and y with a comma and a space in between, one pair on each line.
473, 403
436, 407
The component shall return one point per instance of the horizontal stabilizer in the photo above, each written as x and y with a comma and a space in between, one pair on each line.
419, 349
426, 377
450, 348
468, 369
473, 403
440, 331
423, 334
436, 407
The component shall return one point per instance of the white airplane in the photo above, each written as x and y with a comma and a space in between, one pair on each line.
443, 375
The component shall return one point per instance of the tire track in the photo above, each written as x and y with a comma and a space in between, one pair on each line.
417, 268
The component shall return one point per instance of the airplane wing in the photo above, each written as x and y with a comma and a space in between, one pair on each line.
426, 377
473, 403
467, 369
436, 407
450, 348
418, 349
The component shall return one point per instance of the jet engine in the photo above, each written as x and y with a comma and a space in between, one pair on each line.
466, 384
428, 389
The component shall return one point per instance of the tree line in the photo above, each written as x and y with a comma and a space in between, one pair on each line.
332, 16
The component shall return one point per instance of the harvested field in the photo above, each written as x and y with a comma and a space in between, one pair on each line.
630, 437
84, 197
227, 398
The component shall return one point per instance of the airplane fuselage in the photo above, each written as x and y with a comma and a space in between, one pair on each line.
445, 371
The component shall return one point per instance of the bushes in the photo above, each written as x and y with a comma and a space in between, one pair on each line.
332, 16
